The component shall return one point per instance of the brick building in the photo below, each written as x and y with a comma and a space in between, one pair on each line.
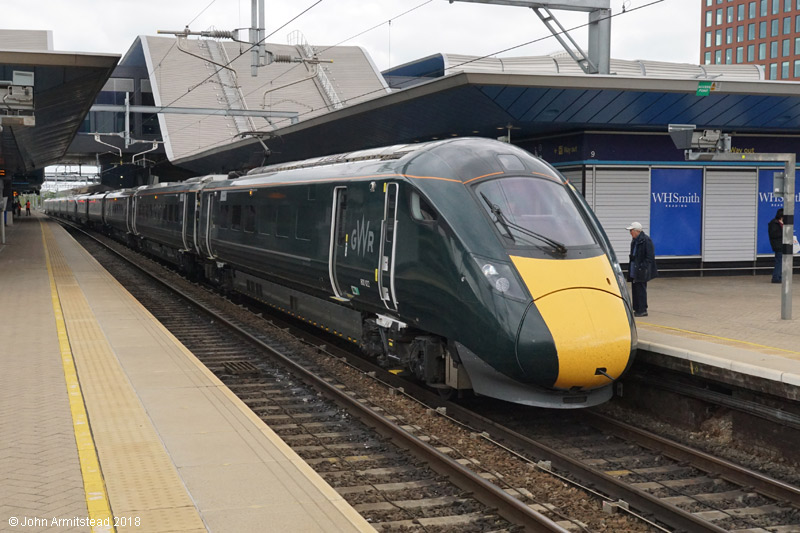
763, 32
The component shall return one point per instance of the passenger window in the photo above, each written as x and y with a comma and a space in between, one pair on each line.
420, 209
266, 220
223, 216
304, 223
250, 218
284, 223
236, 217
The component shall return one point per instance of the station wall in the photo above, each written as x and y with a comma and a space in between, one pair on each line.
708, 215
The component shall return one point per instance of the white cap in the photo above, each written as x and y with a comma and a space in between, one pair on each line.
635, 225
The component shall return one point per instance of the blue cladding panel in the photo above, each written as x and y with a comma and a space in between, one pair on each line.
588, 106
676, 210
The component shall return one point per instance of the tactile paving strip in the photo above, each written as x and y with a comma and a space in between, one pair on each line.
141, 479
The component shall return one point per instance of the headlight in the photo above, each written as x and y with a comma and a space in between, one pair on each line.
502, 278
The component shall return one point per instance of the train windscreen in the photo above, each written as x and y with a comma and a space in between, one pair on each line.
534, 212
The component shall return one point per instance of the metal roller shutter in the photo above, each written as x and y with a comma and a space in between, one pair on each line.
729, 215
622, 196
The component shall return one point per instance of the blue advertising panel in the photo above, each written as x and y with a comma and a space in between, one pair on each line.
676, 210
768, 205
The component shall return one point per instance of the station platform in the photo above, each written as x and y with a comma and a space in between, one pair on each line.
109, 423
728, 323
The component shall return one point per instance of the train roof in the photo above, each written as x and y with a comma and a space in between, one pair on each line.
459, 159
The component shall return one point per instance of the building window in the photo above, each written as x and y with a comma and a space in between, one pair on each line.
797, 23
762, 29
719, 17
773, 71
797, 69
718, 57
707, 58
728, 35
740, 12
762, 50
776, 7
797, 45
775, 28
709, 3
773, 49
787, 25
787, 6
739, 34
764, 8
708, 19
751, 10
718, 40
787, 48
729, 18
708, 39
739, 54
785, 70
728, 56
751, 32
751, 53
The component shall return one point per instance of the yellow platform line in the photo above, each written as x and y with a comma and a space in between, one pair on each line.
93, 484
719, 337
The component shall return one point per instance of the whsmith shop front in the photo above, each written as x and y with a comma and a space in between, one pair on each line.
704, 217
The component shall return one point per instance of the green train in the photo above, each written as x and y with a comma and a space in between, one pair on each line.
468, 262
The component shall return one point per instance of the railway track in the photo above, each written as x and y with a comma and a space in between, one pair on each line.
668, 487
396, 479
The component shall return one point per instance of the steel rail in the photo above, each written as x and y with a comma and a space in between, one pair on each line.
667, 513
703, 461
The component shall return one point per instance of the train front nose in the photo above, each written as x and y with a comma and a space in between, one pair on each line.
590, 334
587, 321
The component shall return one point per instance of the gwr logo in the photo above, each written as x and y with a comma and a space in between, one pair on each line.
362, 238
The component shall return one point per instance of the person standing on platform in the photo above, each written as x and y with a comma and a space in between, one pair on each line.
775, 230
28, 208
641, 268
18, 208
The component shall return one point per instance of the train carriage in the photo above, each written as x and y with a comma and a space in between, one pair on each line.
94, 209
468, 262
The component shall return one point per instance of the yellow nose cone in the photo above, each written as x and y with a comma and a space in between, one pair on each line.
590, 329
580, 302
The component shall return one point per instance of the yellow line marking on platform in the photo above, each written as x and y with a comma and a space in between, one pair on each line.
720, 338
93, 483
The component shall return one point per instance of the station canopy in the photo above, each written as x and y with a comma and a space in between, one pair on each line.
446, 96
64, 86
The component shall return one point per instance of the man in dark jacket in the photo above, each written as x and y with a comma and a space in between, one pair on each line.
642, 267
775, 229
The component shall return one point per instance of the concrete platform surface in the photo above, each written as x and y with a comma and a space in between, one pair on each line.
728, 321
104, 414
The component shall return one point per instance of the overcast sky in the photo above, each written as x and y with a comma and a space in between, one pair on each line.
663, 30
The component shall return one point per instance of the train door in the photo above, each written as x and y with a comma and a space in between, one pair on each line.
387, 247
133, 214
204, 223
355, 225
338, 246
188, 227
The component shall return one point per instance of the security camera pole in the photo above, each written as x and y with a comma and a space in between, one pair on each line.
712, 145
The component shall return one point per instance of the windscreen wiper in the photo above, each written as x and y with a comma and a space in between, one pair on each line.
498, 213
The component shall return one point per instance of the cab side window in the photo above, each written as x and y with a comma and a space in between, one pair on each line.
420, 208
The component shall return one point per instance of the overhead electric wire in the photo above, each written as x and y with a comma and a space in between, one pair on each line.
540, 39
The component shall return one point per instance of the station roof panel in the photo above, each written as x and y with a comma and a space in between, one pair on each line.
65, 86
484, 104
